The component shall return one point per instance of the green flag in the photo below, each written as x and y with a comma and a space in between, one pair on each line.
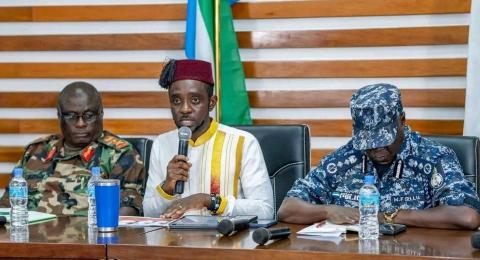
215, 40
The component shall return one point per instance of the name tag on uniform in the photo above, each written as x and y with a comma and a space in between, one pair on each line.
345, 196
408, 199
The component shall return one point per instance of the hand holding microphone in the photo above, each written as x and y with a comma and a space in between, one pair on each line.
184, 134
178, 167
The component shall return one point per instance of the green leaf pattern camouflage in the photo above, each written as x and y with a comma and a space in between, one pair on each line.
58, 184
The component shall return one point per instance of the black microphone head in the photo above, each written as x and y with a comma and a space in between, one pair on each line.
226, 227
476, 240
261, 236
184, 133
3, 220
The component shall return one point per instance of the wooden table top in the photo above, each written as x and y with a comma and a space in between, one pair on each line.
195, 244
64, 237
69, 237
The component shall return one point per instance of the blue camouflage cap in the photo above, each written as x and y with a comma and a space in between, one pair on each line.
375, 109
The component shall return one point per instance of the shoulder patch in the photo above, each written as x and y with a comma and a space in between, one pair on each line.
43, 139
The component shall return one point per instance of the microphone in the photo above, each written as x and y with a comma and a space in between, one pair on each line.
476, 240
3, 221
262, 235
228, 227
184, 134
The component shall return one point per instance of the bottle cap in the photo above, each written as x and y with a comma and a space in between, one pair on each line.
17, 172
369, 179
95, 171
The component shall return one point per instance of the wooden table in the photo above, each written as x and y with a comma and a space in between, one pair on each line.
69, 238
415, 243
64, 237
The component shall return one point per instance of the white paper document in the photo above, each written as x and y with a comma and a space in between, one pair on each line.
33, 216
327, 229
132, 221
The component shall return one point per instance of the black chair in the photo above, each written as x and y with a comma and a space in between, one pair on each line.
467, 149
143, 147
286, 149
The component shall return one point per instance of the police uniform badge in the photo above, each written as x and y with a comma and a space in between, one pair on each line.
427, 168
331, 168
437, 179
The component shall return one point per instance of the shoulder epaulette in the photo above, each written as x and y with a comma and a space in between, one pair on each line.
342, 161
114, 141
44, 139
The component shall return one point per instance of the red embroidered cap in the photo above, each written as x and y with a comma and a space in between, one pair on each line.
193, 69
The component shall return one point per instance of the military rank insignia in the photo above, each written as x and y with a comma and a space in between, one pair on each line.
51, 154
118, 143
87, 153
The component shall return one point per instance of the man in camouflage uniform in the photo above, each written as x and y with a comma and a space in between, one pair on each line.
420, 181
57, 167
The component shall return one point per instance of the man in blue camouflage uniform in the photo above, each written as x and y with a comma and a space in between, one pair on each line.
420, 181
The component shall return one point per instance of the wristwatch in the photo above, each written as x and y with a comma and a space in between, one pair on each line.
390, 216
215, 201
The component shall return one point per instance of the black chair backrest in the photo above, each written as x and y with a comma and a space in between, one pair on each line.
286, 149
143, 147
467, 149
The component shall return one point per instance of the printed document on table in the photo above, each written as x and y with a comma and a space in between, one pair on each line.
33, 216
133, 221
327, 229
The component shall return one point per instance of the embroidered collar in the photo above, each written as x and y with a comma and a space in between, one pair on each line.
212, 129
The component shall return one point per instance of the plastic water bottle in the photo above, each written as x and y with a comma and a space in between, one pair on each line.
368, 204
18, 193
92, 210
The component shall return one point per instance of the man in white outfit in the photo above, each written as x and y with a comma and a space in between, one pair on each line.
224, 173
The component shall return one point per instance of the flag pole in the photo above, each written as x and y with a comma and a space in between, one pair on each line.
218, 85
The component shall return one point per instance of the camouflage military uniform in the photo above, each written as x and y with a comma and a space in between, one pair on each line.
57, 179
424, 174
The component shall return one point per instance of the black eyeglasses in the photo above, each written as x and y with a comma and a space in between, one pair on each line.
87, 117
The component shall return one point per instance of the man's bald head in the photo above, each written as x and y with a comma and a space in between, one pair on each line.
80, 89
80, 112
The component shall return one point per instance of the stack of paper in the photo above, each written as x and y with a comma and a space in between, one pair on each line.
327, 229
131, 221
33, 216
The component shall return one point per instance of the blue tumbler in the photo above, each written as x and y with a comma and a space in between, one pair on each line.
107, 238
107, 196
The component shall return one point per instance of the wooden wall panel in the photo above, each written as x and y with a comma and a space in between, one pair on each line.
265, 10
341, 98
439, 35
10, 153
318, 154
253, 69
426, 97
356, 68
4, 180
343, 128
258, 99
339, 8
15, 14
145, 41
81, 70
109, 13
354, 37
